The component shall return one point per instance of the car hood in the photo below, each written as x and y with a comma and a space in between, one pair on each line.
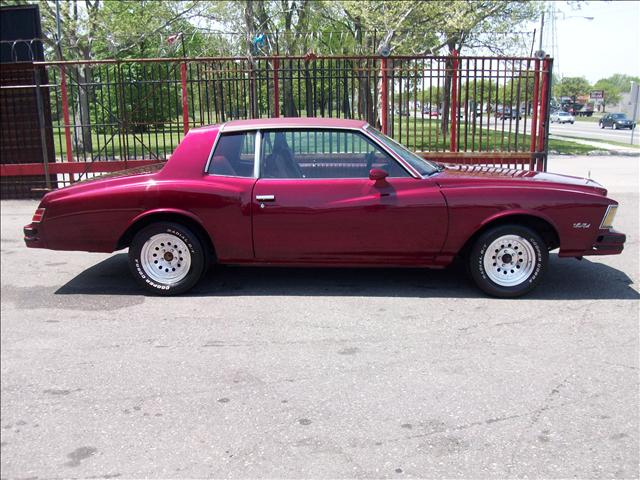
456, 176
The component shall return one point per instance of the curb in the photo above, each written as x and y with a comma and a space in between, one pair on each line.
598, 153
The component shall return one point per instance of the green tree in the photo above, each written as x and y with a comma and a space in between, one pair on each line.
572, 87
614, 86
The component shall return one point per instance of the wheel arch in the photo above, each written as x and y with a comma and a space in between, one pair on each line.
167, 215
543, 226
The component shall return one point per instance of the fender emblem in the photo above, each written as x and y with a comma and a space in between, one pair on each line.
581, 225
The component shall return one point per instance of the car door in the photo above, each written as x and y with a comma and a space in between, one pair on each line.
223, 202
326, 209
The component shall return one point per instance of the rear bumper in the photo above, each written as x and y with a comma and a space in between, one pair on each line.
33, 236
610, 242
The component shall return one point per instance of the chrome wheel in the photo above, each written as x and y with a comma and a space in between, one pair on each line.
509, 260
165, 258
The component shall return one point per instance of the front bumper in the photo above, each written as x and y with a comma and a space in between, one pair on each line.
33, 236
609, 242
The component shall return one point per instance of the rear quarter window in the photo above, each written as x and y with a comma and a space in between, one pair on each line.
234, 155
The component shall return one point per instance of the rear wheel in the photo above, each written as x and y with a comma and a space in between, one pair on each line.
508, 261
167, 258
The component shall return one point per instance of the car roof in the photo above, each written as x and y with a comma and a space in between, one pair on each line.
290, 122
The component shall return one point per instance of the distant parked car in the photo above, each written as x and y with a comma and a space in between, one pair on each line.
616, 121
562, 117
508, 113
431, 112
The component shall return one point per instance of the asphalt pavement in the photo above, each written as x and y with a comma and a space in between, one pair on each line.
581, 129
592, 131
337, 373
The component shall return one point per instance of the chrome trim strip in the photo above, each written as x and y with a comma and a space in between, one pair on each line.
259, 133
215, 143
266, 126
256, 158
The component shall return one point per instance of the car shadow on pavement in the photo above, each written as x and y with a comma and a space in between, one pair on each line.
566, 279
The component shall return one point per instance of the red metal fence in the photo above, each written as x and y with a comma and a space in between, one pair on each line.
108, 115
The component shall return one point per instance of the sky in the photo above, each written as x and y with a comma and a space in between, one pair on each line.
598, 48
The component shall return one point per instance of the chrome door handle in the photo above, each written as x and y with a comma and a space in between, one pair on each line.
265, 198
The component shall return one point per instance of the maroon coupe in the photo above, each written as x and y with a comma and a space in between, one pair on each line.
325, 192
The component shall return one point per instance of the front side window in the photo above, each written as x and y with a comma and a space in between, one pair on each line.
319, 153
422, 166
234, 155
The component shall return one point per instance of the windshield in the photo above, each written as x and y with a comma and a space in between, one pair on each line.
618, 116
564, 114
422, 166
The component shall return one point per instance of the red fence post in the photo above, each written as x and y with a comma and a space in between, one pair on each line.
542, 126
384, 95
534, 117
276, 88
65, 116
453, 145
185, 98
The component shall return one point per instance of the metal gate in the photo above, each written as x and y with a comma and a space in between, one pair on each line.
111, 115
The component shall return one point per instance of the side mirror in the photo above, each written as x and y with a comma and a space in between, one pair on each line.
378, 174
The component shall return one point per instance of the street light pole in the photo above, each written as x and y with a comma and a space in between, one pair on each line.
541, 31
635, 93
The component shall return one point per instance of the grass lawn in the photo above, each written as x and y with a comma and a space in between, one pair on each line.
419, 135
609, 142
416, 137
595, 118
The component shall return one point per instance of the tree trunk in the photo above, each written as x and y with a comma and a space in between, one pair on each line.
346, 104
446, 94
290, 109
81, 118
446, 100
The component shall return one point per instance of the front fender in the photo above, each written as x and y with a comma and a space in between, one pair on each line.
505, 214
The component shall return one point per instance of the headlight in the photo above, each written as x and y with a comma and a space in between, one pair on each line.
607, 221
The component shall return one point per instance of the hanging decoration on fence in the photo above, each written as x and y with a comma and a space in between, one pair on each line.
258, 43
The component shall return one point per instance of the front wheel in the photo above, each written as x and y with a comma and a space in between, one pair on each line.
614, 126
508, 261
167, 258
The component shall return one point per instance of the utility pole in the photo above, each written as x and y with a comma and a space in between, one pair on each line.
541, 30
635, 93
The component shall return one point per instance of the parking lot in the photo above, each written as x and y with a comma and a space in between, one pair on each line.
265, 372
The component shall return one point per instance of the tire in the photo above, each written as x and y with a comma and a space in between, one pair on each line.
601, 125
175, 250
614, 126
511, 242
